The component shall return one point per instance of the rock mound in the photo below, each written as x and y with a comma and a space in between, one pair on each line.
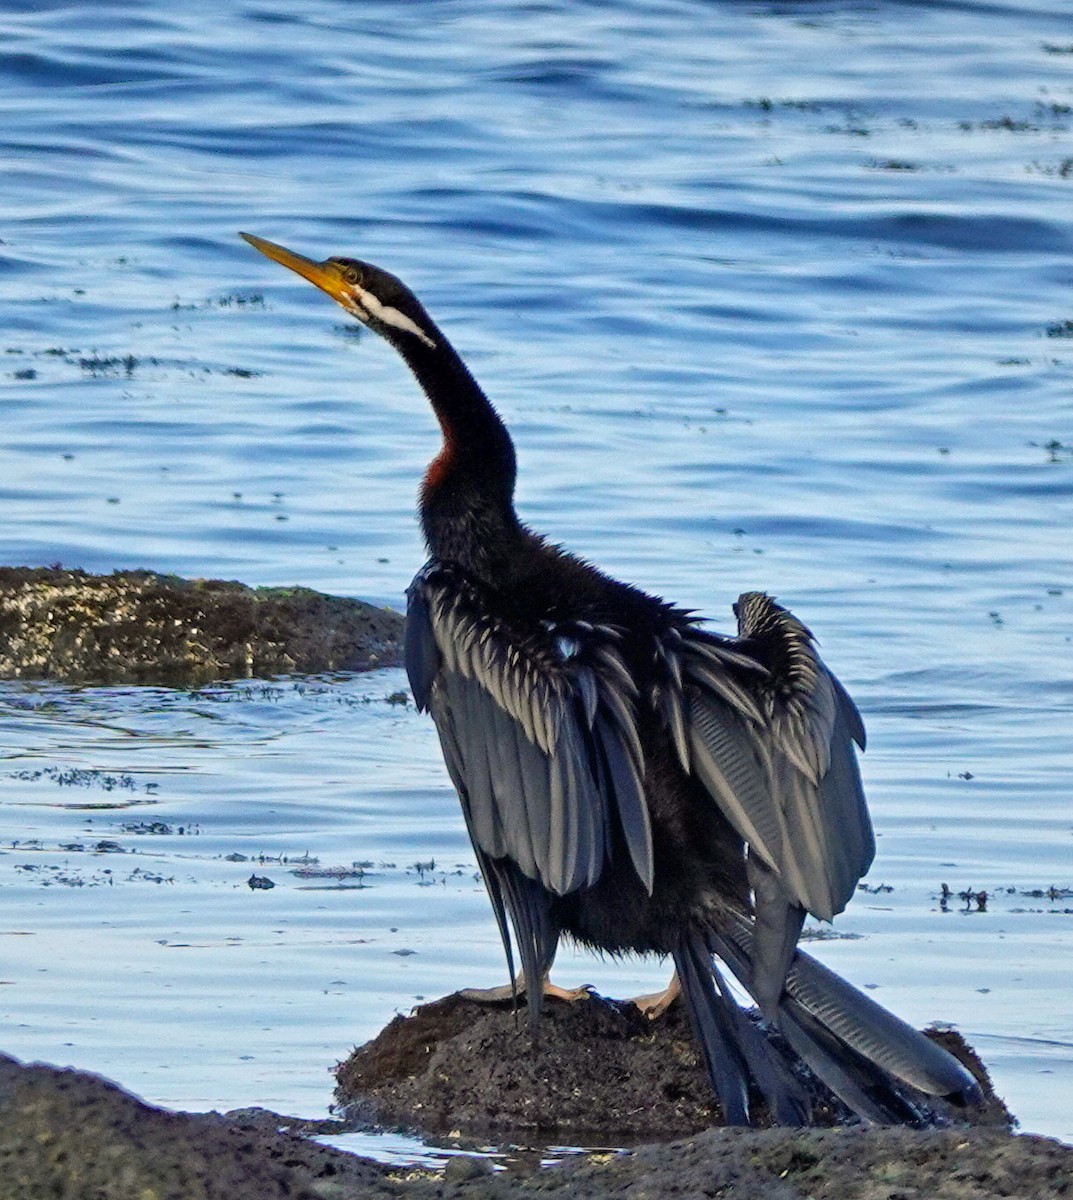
597, 1073
137, 627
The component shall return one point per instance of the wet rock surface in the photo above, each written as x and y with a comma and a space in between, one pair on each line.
73, 1136
598, 1073
138, 627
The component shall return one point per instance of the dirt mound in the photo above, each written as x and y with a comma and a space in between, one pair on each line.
597, 1073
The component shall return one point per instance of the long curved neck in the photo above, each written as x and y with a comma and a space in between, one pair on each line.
467, 497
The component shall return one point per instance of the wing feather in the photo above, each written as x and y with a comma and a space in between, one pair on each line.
674, 718
714, 674
539, 731
628, 789
421, 654
590, 696
771, 735
730, 764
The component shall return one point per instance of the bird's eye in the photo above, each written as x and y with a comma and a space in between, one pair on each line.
352, 275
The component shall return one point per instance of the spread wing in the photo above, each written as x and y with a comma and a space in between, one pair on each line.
538, 732
775, 750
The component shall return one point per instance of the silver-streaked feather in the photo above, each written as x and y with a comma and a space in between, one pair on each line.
545, 744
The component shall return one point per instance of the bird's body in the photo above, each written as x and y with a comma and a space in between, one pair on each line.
629, 778
563, 617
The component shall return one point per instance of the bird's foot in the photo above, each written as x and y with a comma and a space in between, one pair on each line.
568, 994
497, 995
656, 1004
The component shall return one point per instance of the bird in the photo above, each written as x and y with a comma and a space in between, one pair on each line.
633, 780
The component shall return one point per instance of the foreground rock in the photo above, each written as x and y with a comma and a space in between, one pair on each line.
136, 627
599, 1073
70, 1135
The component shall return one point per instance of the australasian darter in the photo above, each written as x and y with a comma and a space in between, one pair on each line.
631, 779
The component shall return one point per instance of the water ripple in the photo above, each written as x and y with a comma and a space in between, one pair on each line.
769, 302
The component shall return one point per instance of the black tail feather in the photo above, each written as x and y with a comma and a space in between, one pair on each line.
735, 1049
877, 1035
859, 1049
714, 1026
859, 1084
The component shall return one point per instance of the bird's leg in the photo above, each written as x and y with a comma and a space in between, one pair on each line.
496, 995
657, 1003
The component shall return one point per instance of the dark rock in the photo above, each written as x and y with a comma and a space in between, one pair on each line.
464, 1167
142, 628
598, 1073
73, 1136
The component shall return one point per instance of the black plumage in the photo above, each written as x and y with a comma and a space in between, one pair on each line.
629, 778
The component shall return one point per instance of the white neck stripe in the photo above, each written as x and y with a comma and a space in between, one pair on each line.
391, 316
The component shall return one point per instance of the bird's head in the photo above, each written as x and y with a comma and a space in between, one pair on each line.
379, 300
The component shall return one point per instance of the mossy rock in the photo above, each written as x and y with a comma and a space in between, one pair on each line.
138, 627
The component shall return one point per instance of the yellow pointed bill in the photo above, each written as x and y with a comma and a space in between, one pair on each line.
325, 275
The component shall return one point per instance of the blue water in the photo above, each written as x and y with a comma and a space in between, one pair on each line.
771, 295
